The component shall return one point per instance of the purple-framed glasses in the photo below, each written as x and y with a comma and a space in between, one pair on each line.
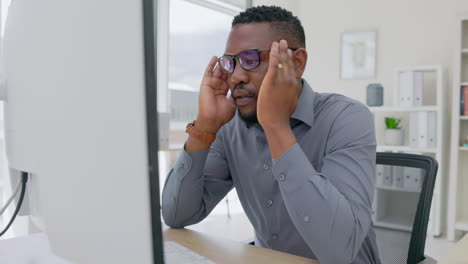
248, 60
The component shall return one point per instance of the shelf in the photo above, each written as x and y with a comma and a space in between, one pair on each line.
462, 225
423, 68
395, 222
396, 189
406, 149
458, 154
403, 109
433, 101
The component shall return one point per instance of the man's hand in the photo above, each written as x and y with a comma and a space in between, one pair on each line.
214, 109
279, 92
277, 99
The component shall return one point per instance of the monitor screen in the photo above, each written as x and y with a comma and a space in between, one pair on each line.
81, 120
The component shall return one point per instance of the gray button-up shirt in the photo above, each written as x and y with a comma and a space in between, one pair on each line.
313, 201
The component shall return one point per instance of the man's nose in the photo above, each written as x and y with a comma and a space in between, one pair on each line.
239, 75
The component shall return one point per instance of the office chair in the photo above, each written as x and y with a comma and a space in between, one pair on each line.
403, 197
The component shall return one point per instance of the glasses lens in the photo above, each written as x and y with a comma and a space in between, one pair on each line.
226, 63
249, 59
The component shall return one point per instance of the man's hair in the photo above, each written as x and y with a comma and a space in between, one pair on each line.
282, 21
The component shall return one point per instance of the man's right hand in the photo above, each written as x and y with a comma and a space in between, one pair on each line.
214, 108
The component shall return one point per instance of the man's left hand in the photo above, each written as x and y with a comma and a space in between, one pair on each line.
279, 92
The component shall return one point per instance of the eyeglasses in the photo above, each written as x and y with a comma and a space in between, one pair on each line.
248, 60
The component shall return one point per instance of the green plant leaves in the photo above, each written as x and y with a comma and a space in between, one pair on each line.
392, 123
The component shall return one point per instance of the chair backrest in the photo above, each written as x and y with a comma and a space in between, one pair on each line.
403, 197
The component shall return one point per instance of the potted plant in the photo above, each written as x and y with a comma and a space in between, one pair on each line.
393, 132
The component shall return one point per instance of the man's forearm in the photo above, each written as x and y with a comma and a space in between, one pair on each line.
186, 198
193, 144
279, 139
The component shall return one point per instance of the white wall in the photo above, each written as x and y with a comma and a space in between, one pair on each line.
291, 5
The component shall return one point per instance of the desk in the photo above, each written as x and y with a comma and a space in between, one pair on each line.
225, 251
458, 254
237, 227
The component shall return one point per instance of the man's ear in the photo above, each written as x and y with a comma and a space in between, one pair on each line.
300, 61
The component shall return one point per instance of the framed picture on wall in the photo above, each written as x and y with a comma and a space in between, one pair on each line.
358, 51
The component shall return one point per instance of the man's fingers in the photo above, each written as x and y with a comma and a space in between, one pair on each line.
217, 73
274, 57
222, 91
291, 67
283, 55
281, 60
211, 64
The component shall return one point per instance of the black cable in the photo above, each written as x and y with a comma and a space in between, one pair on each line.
24, 179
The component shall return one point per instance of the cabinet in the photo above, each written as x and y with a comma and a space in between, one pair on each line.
458, 184
394, 199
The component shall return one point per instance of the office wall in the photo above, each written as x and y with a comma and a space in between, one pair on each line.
291, 5
409, 33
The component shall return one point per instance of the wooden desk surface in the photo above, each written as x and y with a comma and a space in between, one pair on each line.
458, 254
225, 251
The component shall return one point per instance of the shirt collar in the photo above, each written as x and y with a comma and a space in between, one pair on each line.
305, 106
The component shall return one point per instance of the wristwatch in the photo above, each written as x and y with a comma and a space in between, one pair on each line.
202, 136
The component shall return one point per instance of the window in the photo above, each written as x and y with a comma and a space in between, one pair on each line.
196, 33
5, 4
198, 30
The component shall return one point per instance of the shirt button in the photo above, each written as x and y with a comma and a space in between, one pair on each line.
275, 237
265, 166
270, 202
306, 219
282, 176
184, 166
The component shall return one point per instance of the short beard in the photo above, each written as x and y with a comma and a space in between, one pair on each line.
249, 119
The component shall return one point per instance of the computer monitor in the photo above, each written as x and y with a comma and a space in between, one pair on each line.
81, 118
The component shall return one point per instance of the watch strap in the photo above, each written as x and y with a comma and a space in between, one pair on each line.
203, 136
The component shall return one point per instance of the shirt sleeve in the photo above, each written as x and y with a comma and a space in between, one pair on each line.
331, 208
196, 183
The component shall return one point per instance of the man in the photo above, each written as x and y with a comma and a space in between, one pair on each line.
302, 163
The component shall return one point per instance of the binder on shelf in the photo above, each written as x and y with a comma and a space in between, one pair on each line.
384, 175
379, 170
422, 129
413, 178
413, 129
431, 129
405, 89
388, 177
411, 86
398, 176
418, 87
